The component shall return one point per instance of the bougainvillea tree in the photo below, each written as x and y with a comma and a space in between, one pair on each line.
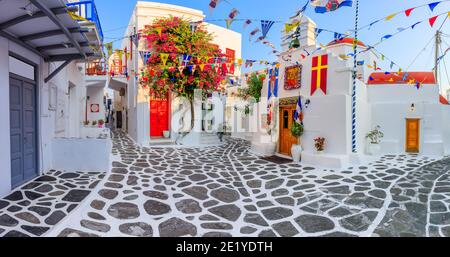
183, 60
254, 86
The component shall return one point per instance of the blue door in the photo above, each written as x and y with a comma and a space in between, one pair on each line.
22, 100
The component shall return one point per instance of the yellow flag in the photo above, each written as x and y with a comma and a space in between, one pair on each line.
288, 27
109, 47
119, 53
390, 17
77, 17
369, 66
240, 62
202, 66
164, 58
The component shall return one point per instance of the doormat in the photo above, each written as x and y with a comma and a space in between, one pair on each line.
277, 159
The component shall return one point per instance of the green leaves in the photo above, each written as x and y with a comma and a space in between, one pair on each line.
297, 129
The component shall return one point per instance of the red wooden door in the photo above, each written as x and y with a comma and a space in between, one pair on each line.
159, 116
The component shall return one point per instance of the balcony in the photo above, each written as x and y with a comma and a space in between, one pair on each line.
98, 68
88, 11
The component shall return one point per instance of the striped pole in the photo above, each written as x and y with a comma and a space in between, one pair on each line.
355, 64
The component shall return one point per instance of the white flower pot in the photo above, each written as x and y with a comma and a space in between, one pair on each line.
166, 134
296, 151
319, 152
374, 149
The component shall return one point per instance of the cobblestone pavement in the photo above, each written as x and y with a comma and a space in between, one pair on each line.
41, 204
227, 191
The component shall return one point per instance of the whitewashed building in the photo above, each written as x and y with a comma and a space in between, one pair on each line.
43, 89
147, 125
412, 120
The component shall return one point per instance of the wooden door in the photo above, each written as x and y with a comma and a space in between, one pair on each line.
159, 116
286, 138
23, 130
412, 135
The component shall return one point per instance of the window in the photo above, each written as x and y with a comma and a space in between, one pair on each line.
231, 54
52, 97
286, 119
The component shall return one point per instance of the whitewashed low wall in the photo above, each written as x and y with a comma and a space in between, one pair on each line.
81, 154
87, 132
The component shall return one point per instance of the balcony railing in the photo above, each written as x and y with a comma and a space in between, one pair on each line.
96, 68
87, 10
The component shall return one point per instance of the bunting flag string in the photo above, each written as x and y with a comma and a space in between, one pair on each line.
431, 22
407, 13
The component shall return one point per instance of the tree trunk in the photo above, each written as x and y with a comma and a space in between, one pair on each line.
191, 101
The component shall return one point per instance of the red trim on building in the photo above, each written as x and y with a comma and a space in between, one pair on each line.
395, 78
346, 40
442, 100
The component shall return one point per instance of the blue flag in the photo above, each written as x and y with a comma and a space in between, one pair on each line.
298, 115
266, 25
324, 6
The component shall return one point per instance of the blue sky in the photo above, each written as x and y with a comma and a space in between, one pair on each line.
402, 49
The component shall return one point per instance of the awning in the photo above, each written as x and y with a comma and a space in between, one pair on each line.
46, 28
117, 83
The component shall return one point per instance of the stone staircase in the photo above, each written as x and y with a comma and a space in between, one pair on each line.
209, 139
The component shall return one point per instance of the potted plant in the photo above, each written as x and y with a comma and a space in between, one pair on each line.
101, 123
94, 123
319, 143
297, 130
375, 137
86, 123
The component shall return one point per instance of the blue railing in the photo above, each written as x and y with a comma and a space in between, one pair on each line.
87, 10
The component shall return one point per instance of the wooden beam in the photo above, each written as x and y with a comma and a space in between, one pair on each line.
60, 46
21, 43
51, 75
65, 57
27, 17
58, 22
51, 33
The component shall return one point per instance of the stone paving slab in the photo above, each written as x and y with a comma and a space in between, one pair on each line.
226, 191
39, 205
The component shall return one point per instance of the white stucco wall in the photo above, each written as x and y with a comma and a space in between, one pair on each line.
446, 127
5, 154
95, 95
391, 106
81, 154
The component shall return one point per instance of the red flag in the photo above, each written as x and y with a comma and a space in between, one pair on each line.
408, 12
433, 20
319, 76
